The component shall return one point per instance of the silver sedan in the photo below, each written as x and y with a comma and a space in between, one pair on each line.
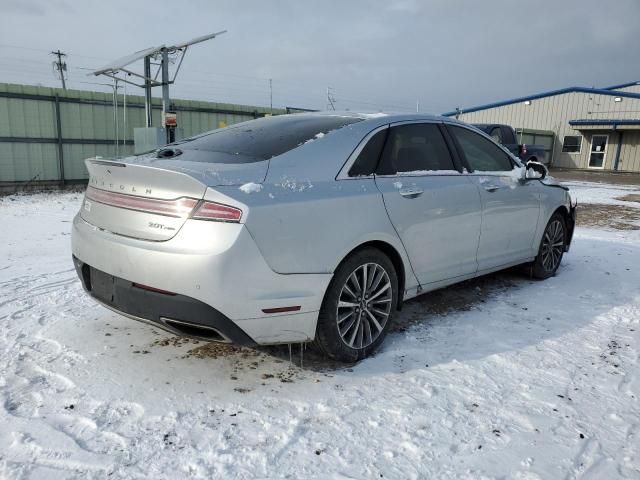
311, 227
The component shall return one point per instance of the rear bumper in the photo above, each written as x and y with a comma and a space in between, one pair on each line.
175, 313
218, 273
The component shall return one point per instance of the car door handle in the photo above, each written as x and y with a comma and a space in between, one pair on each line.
411, 192
492, 187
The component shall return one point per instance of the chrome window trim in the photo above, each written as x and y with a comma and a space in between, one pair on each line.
414, 175
344, 171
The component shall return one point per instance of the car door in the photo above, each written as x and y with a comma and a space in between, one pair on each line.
434, 208
510, 207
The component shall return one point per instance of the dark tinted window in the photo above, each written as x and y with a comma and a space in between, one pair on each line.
415, 147
263, 138
367, 161
481, 154
496, 134
572, 143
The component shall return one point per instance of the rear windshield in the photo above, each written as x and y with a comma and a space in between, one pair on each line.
263, 138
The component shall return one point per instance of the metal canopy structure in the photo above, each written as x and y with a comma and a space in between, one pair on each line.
119, 64
156, 57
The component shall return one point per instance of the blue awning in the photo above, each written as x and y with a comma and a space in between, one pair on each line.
605, 124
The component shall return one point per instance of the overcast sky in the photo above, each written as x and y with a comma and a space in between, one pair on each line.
374, 54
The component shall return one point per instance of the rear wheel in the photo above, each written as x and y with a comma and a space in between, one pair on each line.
358, 307
551, 248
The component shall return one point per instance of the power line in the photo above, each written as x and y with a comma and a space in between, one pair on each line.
220, 87
20, 47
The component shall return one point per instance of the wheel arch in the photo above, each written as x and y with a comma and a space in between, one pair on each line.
568, 221
392, 253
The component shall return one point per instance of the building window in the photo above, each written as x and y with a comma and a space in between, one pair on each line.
598, 151
572, 143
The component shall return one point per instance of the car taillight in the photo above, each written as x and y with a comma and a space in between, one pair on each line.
180, 207
218, 212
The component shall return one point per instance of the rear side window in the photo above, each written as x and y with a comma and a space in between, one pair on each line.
367, 161
264, 138
416, 147
480, 153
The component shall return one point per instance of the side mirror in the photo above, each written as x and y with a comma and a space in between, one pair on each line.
536, 170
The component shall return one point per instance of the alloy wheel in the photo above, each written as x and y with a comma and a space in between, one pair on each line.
552, 246
364, 305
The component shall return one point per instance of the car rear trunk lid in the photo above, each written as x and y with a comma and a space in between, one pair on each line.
139, 201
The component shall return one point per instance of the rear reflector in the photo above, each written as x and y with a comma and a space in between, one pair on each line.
180, 207
152, 289
217, 211
281, 309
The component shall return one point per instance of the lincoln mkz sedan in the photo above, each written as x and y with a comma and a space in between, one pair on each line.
311, 227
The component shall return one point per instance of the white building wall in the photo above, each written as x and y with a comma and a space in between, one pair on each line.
554, 113
630, 152
630, 89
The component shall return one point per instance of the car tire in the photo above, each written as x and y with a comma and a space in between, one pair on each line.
551, 250
354, 319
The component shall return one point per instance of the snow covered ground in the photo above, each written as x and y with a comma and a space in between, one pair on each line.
594, 192
500, 377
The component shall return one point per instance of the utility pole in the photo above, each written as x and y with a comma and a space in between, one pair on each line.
271, 94
60, 66
330, 99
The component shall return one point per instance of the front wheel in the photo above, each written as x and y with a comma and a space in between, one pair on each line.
358, 306
551, 249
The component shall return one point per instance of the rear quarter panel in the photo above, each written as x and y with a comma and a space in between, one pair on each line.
303, 220
310, 227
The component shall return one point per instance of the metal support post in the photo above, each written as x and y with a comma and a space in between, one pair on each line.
59, 138
147, 91
165, 89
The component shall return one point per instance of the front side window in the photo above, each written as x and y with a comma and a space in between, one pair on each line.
571, 143
481, 154
415, 148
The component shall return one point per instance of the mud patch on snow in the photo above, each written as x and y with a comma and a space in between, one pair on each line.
632, 197
616, 217
303, 357
218, 350
175, 342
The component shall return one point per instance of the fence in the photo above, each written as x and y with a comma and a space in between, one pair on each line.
47, 133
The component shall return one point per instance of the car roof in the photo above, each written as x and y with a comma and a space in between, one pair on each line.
383, 118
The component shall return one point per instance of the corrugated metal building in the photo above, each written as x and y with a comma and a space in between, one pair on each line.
47, 133
586, 128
